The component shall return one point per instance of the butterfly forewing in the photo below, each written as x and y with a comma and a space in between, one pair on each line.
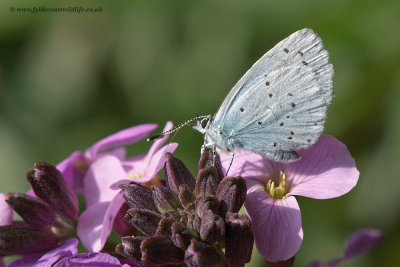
280, 104
302, 48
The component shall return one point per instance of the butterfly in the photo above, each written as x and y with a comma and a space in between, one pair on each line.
278, 106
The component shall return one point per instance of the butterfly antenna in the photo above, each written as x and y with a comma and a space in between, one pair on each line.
175, 129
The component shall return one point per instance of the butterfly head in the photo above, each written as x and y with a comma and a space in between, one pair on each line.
202, 123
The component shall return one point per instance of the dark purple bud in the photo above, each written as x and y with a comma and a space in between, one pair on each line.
185, 195
159, 251
130, 248
190, 217
207, 182
122, 227
144, 220
183, 216
196, 223
177, 174
138, 196
239, 239
165, 199
164, 227
231, 193
200, 254
207, 203
173, 214
212, 227
36, 213
49, 185
209, 158
21, 240
181, 235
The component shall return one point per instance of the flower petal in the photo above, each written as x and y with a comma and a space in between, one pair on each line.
28, 260
89, 259
159, 142
276, 224
325, 170
119, 152
361, 242
74, 169
90, 226
123, 137
139, 168
101, 175
95, 223
249, 164
156, 162
66, 249
6, 211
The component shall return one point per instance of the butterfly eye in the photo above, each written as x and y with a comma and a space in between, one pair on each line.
204, 123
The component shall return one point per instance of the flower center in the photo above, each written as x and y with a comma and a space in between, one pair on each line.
135, 175
277, 191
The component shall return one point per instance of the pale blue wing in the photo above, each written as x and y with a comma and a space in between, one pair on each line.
302, 48
284, 111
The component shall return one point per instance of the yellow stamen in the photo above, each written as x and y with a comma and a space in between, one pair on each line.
279, 191
135, 175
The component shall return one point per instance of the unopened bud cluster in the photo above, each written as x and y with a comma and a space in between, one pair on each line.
192, 222
46, 218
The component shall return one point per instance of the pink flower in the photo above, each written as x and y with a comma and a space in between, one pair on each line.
325, 170
101, 189
75, 167
357, 244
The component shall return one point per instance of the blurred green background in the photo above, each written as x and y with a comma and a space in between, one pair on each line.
68, 80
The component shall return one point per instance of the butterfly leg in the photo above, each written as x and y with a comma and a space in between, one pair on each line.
230, 164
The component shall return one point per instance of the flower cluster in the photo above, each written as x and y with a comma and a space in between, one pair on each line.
189, 220
181, 220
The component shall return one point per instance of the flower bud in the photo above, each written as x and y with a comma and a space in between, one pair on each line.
144, 220
130, 248
185, 195
21, 240
49, 185
231, 193
36, 213
164, 227
181, 235
199, 254
120, 226
207, 203
165, 199
160, 251
207, 182
210, 158
177, 174
238, 231
138, 196
212, 227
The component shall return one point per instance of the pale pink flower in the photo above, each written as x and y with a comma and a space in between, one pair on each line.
325, 170
102, 194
